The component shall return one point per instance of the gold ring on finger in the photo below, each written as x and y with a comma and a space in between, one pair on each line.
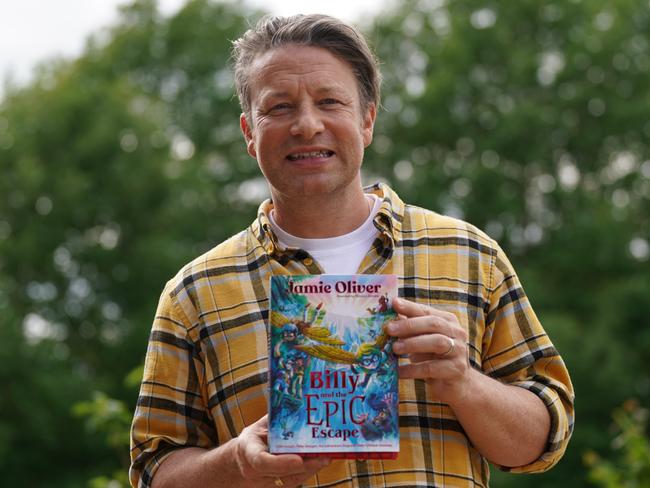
278, 482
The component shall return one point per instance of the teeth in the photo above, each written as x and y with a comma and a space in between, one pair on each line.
313, 154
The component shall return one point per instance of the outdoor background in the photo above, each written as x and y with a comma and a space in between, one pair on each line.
530, 119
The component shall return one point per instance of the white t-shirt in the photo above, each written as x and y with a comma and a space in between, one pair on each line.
336, 255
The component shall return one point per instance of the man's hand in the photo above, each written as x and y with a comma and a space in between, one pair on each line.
436, 346
259, 468
515, 423
242, 462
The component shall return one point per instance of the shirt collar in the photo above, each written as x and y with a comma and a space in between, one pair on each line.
388, 220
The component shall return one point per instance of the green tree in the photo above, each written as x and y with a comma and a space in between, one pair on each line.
529, 120
117, 168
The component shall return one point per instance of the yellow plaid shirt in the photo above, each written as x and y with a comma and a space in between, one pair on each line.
206, 369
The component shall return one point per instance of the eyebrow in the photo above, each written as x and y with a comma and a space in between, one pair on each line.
319, 91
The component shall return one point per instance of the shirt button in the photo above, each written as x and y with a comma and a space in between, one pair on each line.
308, 261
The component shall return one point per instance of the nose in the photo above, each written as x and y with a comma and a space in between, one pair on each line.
307, 123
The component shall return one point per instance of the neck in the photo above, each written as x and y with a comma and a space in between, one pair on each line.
322, 216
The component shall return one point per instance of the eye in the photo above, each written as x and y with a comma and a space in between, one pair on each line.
329, 101
279, 107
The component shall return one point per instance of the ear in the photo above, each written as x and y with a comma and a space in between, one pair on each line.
369, 124
248, 135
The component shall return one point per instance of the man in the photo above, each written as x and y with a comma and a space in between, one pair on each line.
480, 380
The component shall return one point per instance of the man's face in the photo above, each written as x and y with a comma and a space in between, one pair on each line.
307, 129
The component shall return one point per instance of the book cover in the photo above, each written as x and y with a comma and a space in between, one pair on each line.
332, 373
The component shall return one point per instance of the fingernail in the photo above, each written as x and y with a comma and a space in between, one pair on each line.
398, 346
392, 327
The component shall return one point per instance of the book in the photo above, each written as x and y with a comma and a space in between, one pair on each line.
332, 373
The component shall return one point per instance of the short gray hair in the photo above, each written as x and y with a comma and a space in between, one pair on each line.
342, 40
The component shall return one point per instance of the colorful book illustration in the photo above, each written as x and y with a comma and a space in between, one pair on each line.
332, 373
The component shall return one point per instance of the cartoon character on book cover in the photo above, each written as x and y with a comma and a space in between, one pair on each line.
333, 376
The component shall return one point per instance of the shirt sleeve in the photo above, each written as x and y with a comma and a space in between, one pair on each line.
171, 409
517, 351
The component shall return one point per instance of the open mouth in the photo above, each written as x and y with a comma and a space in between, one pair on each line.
310, 155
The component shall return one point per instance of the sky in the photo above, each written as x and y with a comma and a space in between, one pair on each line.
35, 30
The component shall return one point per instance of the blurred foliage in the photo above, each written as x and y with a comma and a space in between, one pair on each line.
632, 469
530, 120
111, 419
